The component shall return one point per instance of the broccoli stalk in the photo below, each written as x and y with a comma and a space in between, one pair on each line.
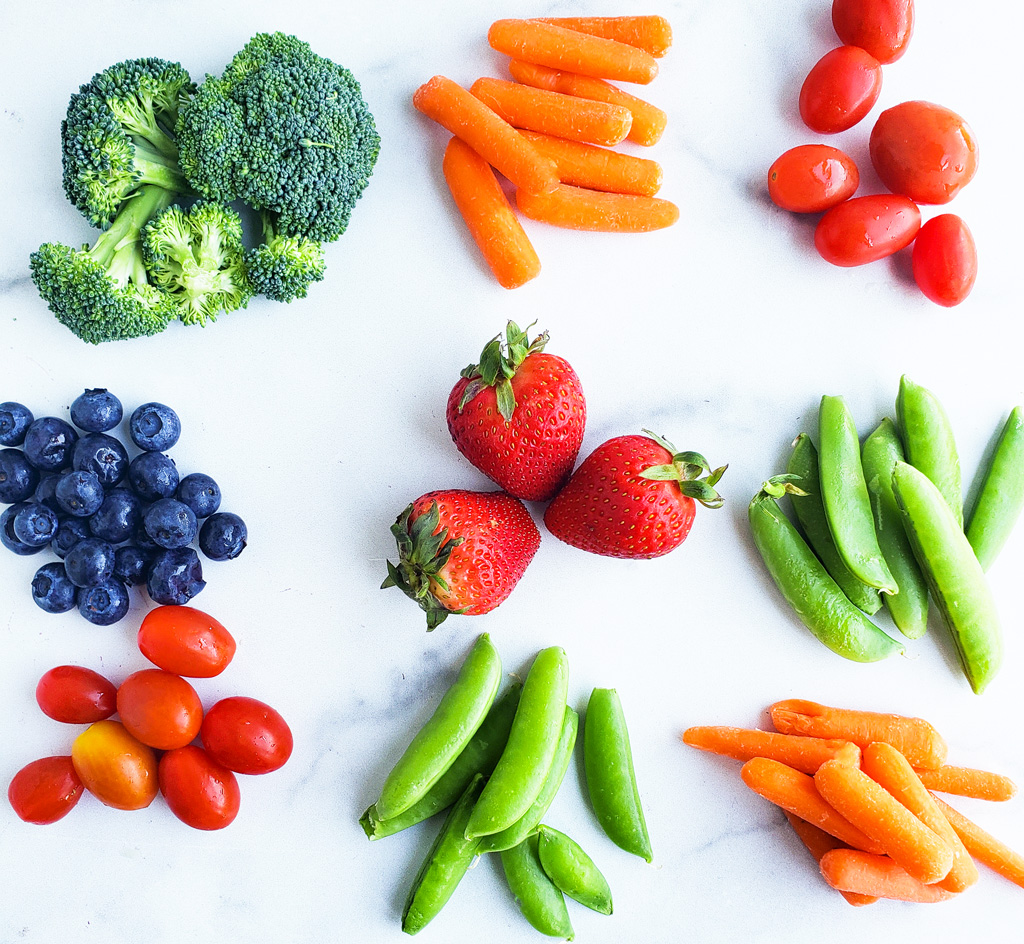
283, 267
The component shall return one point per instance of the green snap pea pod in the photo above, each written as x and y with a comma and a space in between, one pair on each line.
530, 820
454, 721
810, 512
908, 608
844, 493
573, 871
446, 862
822, 607
953, 573
1002, 493
928, 440
478, 757
611, 780
539, 899
520, 772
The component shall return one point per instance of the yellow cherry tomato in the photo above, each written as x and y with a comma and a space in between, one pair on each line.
115, 767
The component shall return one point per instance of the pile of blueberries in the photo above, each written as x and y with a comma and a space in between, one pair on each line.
115, 522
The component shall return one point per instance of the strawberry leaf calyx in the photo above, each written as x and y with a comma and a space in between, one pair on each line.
693, 473
499, 361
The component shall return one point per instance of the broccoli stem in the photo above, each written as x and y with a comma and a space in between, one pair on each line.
118, 249
154, 167
140, 120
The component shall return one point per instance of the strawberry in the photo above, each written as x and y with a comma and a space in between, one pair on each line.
519, 415
633, 496
461, 551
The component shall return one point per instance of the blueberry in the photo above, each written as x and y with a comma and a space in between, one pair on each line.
79, 493
118, 516
96, 411
70, 531
105, 604
7, 536
15, 420
143, 540
131, 564
170, 523
175, 577
34, 524
103, 455
18, 479
153, 476
223, 536
45, 492
200, 493
49, 443
154, 427
90, 563
52, 590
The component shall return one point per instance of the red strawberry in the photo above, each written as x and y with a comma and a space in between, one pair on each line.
461, 551
519, 415
633, 497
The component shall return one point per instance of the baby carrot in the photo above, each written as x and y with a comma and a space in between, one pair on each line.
495, 140
801, 753
597, 168
965, 781
648, 120
486, 210
985, 848
560, 48
914, 738
653, 34
851, 870
796, 793
818, 843
575, 208
874, 811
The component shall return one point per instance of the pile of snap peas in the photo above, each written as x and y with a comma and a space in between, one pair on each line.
884, 525
498, 763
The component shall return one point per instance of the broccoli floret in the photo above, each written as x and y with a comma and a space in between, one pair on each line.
284, 130
196, 257
103, 293
283, 267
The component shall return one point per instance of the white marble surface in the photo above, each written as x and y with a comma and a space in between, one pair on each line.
321, 420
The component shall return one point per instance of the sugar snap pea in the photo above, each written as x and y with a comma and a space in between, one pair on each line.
539, 899
573, 871
1001, 497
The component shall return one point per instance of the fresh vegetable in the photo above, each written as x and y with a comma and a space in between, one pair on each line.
818, 842
185, 641
866, 229
160, 709
964, 781
945, 260
45, 790
74, 694
115, 767
538, 897
596, 168
985, 848
572, 870
805, 754
811, 178
199, 791
283, 266
576, 208
246, 736
840, 89
653, 34
878, 876
882, 27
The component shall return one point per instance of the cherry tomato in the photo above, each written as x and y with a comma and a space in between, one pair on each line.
840, 89
246, 736
867, 228
160, 709
116, 768
882, 27
199, 791
811, 178
945, 261
45, 790
76, 695
923, 151
186, 641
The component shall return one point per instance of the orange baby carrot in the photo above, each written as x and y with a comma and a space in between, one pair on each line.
560, 48
818, 843
851, 870
876, 813
648, 120
985, 848
653, 34
578, 119
487, 213
796, 793
597, 168
801, 753
890, 770
914, 738
495, 140
965, 781
575, 208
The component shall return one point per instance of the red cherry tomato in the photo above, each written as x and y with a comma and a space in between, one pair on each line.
923, 151
118, 769
867, 228
76, 695
246, 736
160, 709
45, 790
945, 261
185, 641
882, 27
840, 89
199, 791
811, 178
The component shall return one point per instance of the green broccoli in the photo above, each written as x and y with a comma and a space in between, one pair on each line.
196, 258
283, 267
103, 293
284, 130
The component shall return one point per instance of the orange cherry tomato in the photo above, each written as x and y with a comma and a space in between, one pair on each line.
116, 768
945, 260
75, 695
45, 790
840, 89
186, 641
882, 27
160, 709
811, 178
246, 736
199, 791
866, 228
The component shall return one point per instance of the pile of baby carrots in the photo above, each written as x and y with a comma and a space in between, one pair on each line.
549, 133
856, 786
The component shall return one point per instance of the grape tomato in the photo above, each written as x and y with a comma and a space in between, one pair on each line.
866, 229
811, 178
840, 89
200, 792
186, 641
116, 768
246, 736
160, 709
45, 790
75, 695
